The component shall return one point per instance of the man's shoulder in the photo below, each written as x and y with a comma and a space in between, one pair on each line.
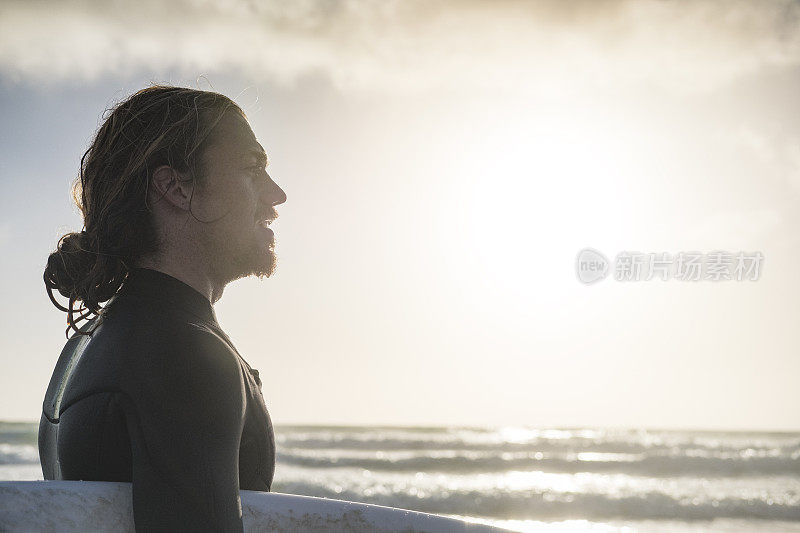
187, 371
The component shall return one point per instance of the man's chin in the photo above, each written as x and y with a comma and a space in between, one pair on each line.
266, 266
261, 265
262, 273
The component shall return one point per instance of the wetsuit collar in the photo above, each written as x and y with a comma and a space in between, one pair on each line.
156, 286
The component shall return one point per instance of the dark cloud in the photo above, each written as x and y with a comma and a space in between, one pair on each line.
407, 45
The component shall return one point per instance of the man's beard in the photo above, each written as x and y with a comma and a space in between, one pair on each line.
266, 269
253, 261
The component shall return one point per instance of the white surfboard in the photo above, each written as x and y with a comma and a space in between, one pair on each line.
84, 506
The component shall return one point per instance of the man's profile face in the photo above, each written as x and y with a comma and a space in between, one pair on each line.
234, 197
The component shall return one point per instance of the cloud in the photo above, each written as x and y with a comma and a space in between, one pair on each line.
407, 45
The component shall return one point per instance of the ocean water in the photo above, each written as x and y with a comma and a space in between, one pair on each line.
529, 479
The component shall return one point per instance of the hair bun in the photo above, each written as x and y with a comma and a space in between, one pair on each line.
70, 263
66, 271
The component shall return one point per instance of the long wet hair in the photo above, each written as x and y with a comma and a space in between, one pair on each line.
159, 125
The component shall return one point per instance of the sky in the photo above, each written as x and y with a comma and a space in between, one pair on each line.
445, 163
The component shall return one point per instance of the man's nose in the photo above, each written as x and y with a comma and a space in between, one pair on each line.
273, 194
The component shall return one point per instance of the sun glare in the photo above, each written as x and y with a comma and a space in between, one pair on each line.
534, 194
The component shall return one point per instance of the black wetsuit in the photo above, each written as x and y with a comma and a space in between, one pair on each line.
159, 396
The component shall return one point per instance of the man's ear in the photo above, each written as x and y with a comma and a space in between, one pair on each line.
168, 184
